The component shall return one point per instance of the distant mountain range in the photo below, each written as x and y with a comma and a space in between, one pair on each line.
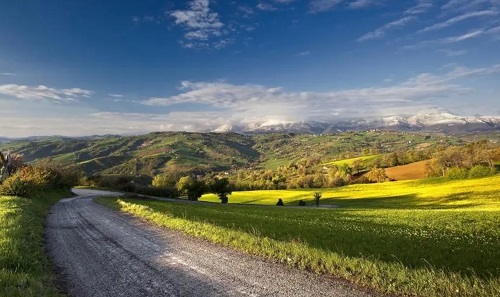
433, 120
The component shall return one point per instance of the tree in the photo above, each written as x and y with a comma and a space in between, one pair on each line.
191, 187
222, 188
377, 175
317, 196
161, 181
184, 184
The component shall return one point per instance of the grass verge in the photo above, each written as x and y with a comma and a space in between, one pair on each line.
24, 267
408, 248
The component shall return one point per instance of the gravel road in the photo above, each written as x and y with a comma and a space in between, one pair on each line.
97, 251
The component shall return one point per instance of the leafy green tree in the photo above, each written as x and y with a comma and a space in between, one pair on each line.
191, 187
161, 181
222, 188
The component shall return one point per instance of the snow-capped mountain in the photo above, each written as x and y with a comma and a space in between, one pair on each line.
427, 120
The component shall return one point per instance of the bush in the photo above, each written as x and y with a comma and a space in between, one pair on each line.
481, 171
457, 173
167, 192
27, 182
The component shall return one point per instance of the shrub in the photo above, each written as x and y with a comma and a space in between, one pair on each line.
376, 175
457, 173
167, 192
481, 171
27, 182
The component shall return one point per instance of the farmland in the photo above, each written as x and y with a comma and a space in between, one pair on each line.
430, 237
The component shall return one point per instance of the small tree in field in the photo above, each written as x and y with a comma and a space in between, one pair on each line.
191, 187
221, 188
317, 197
377, 175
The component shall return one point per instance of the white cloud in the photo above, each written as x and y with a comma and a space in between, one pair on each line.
250, 102
116, 95
380, 32
420, 7
457, 19
460, 6
266, 7
323, 5
7, 74
470, 35
357, 4
43, 92
240, 104
200, 23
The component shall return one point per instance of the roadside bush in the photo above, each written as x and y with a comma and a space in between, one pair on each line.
457, 173
62, 176
167, 192
27, 182
481, 171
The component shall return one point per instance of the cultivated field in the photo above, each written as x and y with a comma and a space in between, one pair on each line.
429, 237
414, 170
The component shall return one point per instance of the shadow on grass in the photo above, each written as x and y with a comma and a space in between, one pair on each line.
356, 235
407, 201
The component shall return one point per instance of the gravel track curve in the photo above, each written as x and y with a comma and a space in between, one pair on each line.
97, 251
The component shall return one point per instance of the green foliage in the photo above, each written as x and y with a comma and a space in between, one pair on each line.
24, 268
376, 175
457, 173
222, 188
479, 171
162, 180
167, 192
27, 181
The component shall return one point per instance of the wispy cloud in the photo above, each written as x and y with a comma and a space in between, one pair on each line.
116, 95
381, 31
200, 23
420, 7
266, 6
459, 18
357, 4
466, 36
43, 93
323, 5
7, 74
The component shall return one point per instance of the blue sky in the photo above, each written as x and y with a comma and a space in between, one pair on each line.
133, 66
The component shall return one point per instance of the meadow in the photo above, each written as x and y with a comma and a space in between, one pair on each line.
429, 237
24, 267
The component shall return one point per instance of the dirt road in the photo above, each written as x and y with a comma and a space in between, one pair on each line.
100, 252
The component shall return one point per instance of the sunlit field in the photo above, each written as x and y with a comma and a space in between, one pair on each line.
430, 238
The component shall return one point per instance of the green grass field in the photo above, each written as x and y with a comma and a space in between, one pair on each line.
349, 162
429, 238
24, 267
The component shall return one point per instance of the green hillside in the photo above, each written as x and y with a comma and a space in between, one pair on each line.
158, 152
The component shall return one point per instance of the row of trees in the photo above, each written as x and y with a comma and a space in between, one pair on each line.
473, 160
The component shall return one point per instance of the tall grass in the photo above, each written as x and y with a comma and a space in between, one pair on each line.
441, 240
24, 267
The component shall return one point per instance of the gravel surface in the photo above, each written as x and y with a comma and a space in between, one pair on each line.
97, 251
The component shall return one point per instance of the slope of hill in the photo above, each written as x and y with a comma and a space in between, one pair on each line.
153, 153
